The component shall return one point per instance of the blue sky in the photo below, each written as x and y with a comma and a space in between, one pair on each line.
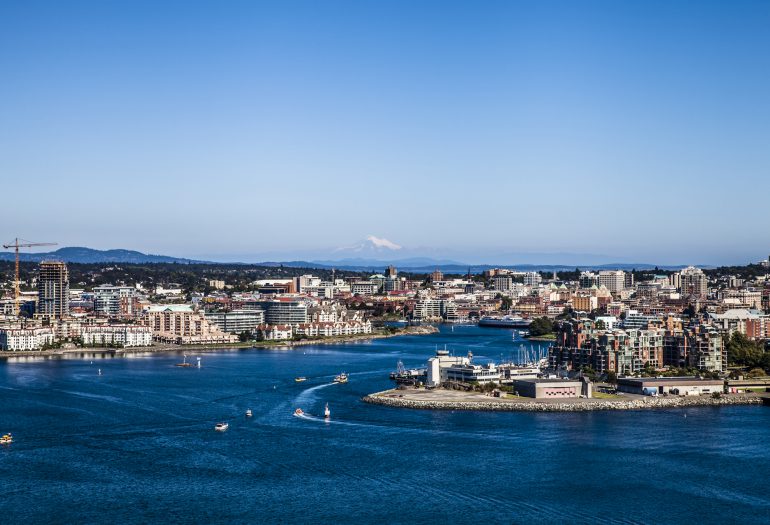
494, 131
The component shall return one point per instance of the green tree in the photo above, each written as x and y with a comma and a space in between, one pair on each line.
540, 326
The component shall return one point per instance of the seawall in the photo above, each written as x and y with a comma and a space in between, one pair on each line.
387, 399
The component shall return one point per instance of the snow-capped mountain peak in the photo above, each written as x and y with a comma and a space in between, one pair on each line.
371, 244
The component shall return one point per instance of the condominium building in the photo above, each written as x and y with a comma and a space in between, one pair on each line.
125, 336
18, 339
115, 301
53, 290
237, 321
693, 282
181, 324
284, 312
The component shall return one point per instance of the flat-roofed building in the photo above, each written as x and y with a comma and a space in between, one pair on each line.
125, 336
548, 388
682, 386
19, 339
53, 290
237, 321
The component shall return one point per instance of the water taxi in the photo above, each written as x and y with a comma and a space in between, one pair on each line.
221, 427
342, 378
299, 412
327, 413
7, 439
249, 413
300, 379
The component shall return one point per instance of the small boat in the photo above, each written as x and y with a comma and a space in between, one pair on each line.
184, 362
300, 379
7, 439
342, 378
248, 413
221, 427
327, 413
299, 412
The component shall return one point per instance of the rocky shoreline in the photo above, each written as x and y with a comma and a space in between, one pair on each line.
411, 330
387, 399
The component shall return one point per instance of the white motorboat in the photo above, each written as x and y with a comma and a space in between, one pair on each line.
221, 427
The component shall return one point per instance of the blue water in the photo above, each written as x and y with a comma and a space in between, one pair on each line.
136, 445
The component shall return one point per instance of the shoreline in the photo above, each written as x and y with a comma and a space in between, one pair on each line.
482, 403
160, 348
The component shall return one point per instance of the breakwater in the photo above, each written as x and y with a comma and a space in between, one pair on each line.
391, 399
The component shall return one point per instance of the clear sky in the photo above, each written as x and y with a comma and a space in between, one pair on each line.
639, 130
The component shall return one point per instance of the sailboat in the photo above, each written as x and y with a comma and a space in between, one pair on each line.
327, 413
184, 362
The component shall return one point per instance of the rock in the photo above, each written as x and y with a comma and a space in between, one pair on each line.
534, 406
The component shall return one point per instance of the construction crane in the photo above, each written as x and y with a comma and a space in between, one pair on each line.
16, 245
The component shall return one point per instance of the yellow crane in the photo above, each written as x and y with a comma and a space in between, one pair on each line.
16, 245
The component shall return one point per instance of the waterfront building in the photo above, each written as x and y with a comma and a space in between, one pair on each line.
284, 312
53, 290
681, 386
276, 332
125, 336
470, 373
438, 365
180, 324
550, 388
237, 321
19, 339
430, 309
330, 329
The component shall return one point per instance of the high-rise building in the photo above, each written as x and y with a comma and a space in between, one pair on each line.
437, 275
53, 290
693, 282
532, 278
613, 280
503, 283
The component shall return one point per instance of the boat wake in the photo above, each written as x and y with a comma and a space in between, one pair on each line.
308, 393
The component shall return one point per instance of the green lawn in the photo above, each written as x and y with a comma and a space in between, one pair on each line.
602, 395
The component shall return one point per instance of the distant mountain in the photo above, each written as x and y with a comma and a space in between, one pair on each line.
77, 254
426, 265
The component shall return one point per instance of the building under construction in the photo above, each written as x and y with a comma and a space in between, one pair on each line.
53, 290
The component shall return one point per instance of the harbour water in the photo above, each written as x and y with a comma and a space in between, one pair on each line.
136, 444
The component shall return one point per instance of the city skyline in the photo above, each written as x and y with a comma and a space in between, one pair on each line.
263, 132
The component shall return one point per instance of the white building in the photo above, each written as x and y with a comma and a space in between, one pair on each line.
613, 280
18, 339
532, 278
125, 336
